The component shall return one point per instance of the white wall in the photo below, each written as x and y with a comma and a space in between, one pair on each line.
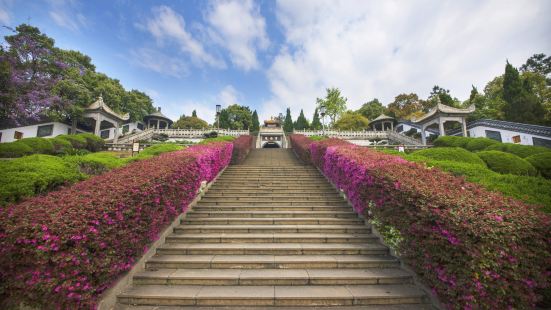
31, 131
506, 135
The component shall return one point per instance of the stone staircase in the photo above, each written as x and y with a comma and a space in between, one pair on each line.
272, 233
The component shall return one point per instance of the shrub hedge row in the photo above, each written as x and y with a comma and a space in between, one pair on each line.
64, 249
542, 163
241, 148
301, 146
60, 145
479, 144
451, 153
506, 163
473, 247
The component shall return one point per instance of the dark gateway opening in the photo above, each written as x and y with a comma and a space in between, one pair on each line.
271, 145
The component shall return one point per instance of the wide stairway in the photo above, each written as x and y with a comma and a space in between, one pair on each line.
273, 232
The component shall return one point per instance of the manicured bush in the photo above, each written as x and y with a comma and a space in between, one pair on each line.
542, 163
241, 148
217, 139
473, 247
31, 175
96, 163
301, 146
14, 149
479, 144
518, 149
506, 163
62, 146
155, 150
64, 249
39, 145
77, 141
318, 149
451, 141
93, 142
450, 153
317, 138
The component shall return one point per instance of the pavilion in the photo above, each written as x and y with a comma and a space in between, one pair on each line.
104, 118
440, 115
157, 120
382, 123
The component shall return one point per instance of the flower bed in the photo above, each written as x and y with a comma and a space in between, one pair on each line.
64, 249
473, 247
241, 148
301, 146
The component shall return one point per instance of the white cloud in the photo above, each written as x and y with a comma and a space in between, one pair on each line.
228, 96
158, 62
4, 17
166, 24
239, 27
382, 48
65, 14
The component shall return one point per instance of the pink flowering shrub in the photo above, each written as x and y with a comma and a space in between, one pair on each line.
241, 148
473, 247
64, 249
301, 146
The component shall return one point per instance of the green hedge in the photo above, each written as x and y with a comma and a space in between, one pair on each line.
451, 141
506, 163
217, 139
14, 149
155, 150
479, 144
93, 142
97, 163
39, 145
542, 163
77, 141
451, 154
35, 174
62, 146
518, 149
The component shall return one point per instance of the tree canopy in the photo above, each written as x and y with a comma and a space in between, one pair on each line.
316, 124
351, 121
334, 103
301, 122
190, 122
288, 122
236, 117
371, 109
255, 127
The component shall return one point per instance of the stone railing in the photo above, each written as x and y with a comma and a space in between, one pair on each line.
142, 135
398, 137
180, 133
361, 135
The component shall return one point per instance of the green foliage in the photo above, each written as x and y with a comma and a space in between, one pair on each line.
521, 103
302, 122
194, 113
96, 163
479, 144
520, 150
371, 109
316, 124
506, 163
236, 117
14, 149
317, 138
351, 121
542, 163
288, 123
157, 149
451, 141
218, 139
77, 141
190, 122
61, 146
39, 145
405, 106
450, 154
255, 127
333, 102
35, 174
93, 142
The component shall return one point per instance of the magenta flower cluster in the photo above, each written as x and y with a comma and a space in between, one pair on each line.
475, 248
241, 147
64, 249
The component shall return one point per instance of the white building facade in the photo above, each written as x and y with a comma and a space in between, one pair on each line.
44, 130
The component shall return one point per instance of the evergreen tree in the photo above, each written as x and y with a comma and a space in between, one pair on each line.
224, 119
288, 123
521, 104
256, 124
194, 113
316, 124
302, 122
474, 93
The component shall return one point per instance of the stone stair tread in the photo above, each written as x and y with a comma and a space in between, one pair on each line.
266, 258
371, 307
252, 226
347, 212
245, 246
271, 235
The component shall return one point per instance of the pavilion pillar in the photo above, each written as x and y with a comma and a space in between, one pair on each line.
116, 138
157, 125
464, 125
423, 137
441, 127
391, 126
98, 125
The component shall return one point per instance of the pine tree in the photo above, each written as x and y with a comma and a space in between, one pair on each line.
521, 104
256, 124
288, 123
316, 124
194, 113
302, 122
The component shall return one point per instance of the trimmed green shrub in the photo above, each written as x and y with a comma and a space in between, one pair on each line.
14, 149
62, 146
97, 163
77, 141
217, 139
155, 150
93, 142
479, 144
317, 138
506, 163
450, 153
518, 149
35, 174
451, 141
542, 163
39, 145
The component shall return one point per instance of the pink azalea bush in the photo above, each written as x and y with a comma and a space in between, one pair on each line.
473, 247
64, 249
241, 148
301, 146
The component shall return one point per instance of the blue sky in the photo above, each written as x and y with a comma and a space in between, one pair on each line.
270, 55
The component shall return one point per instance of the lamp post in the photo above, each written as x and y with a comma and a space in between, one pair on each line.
218, 109
322, 113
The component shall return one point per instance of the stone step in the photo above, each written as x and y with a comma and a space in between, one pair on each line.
204, 202
271, 194
351, 229
272, 214
252, 208
260, 187
371, 307
340, 295
271, 221
270, 238
273, 277
272, 248
221, 261
264, 191
214, 197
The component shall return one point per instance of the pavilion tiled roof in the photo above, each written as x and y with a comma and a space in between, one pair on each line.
442, 108
100, 105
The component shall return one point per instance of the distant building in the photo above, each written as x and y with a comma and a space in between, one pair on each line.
508, 132
41, 128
